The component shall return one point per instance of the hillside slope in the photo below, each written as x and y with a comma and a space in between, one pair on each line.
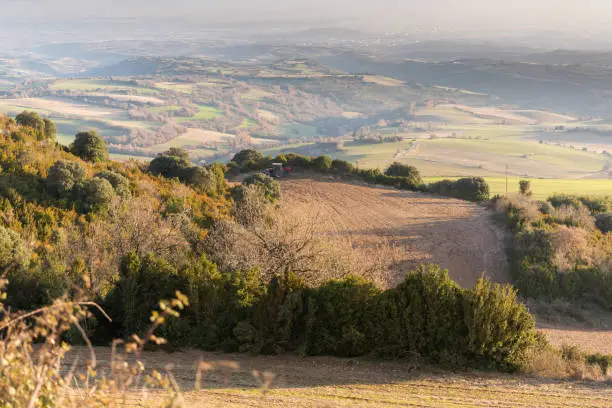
408, 228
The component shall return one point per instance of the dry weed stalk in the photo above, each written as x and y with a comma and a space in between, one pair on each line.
33, 370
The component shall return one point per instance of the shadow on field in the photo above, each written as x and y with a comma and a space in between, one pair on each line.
236, 371
463, 246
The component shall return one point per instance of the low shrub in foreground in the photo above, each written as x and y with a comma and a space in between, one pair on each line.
427, 315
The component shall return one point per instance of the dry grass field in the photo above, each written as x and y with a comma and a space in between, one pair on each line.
411, 228
336, 382
589, 340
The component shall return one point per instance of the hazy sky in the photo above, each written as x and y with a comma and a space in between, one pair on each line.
426, 14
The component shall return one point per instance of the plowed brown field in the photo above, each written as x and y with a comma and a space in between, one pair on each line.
419, 228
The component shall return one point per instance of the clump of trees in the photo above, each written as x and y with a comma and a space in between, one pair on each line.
270, 187
175, 163
470, 188
67, 180
89, 146
42, 128
251, 160
397, 175
119, 183
65, 176
402, 170
525, 188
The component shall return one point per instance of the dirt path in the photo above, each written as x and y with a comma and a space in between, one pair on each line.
420, 228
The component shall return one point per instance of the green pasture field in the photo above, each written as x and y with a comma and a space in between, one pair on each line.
205, 113
247, 123
67, 128
547, 154
296, 130
169, 108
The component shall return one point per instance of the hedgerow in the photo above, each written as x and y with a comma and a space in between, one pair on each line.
397, 175
427, 315
470, 189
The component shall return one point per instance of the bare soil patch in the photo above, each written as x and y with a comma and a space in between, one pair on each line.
413, 228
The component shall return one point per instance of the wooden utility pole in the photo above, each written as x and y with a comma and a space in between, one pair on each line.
506, 179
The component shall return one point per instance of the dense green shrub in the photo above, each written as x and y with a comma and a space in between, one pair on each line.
169, 166
270, 187
247, 155
370, 175
50, 129
142, 282
402, 170
322, 164
471, 189
218, 170
13, 252
120, 184
33, 287
500, 328
338, 318
33, 121
232, 169
200, 178
175, 164
219, 302
30, 119
275, 321
89, 146
595, 204
64, 176
422, 316
341, 166
178, 152
525, 188
97, 194
297, 161
604, 222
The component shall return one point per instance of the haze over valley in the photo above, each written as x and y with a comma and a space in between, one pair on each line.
260, 203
